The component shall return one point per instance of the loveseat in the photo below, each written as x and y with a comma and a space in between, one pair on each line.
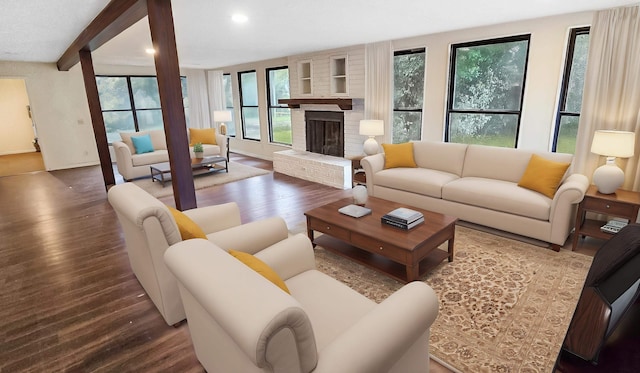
150, 228
241, 322
132, 165
479, 184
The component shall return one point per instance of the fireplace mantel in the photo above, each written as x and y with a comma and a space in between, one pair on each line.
294, 103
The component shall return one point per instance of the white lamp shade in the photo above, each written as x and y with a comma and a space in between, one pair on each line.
609, 143
221, 116
372, 127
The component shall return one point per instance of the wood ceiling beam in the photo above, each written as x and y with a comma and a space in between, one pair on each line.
116, 17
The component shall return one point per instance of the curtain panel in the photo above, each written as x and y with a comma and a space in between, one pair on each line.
611, 95
378, 84
198, 99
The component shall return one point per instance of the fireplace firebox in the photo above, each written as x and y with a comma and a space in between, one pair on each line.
325, 132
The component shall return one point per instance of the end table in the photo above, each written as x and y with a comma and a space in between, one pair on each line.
621, 204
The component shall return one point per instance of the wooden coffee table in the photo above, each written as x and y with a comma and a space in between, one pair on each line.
401, 254
162, 171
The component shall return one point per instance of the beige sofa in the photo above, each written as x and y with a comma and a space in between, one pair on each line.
149, 229
132, 165
241, 322
479, 184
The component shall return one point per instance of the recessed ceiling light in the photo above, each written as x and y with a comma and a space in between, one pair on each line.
150, 51
239, 18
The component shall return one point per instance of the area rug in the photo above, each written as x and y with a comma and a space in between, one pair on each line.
236, 172
505, 305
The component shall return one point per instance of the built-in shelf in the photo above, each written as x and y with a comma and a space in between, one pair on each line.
294, 103
339, 78
305, 74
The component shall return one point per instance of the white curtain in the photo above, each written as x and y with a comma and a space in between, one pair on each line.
378, 83
611, 96
216, 92
198, 99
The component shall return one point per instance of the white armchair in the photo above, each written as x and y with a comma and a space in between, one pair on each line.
149, 229
241, 322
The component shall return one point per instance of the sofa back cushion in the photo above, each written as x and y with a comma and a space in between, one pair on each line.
506, 164
442, 156
158, 139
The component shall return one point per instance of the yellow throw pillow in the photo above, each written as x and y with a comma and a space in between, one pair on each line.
202, 135
398, 155
543, 176
188, 228
260, 267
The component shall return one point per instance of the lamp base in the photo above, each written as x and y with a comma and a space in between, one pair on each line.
608, 178
370, 146
223, 129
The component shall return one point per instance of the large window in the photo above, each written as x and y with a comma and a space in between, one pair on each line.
228, 98
486, 87
570, 105
132, 103
408, 95
279, 114
249, 105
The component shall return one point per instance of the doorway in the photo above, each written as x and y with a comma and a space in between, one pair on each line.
19, 147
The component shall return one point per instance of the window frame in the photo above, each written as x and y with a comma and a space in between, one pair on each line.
271, 105
564, 88
242, 105
452, 71
395, 110
132, 104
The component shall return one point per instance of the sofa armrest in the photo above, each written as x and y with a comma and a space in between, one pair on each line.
290, 256
215, 218
251, 237
371, 165
562, 213
124, 159
221, 140
387, 331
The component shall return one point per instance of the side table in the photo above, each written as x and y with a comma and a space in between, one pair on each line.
621, 204
359, 177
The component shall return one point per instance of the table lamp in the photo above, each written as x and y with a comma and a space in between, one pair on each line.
371, 128
222, 116
611, 144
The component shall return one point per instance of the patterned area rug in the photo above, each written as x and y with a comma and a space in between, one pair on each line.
237, 171
505, 305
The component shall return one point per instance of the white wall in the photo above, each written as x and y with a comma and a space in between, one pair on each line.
60, 111
16, 131
547, 51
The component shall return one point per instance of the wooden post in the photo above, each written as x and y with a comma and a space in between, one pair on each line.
99, 130
175, 126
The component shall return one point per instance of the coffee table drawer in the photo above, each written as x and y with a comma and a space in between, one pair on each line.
372, 245
330, 229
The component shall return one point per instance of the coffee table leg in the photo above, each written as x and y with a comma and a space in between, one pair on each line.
450, 248
412, 271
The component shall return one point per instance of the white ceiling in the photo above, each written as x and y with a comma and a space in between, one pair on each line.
41, 30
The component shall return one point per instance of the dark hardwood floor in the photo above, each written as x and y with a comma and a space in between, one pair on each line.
69, 301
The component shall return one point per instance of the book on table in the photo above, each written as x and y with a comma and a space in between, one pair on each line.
403, 215
355, 211
400, 225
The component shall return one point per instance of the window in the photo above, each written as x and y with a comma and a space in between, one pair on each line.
249, 105
569, 107
486, 87
132, 103
279, 114
408, 95
228, 98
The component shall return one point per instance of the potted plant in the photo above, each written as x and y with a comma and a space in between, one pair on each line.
198, 150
